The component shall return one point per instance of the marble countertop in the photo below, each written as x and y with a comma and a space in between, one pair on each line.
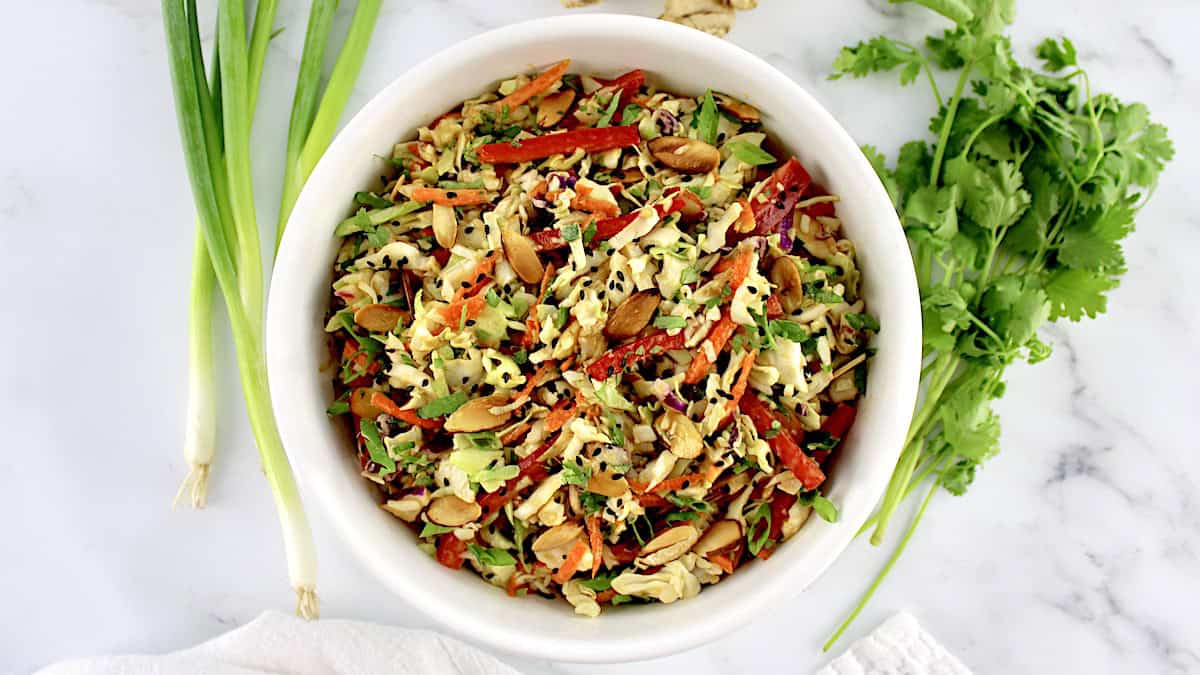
1077, 550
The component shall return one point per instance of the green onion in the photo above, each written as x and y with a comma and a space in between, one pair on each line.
214, 125
312, 125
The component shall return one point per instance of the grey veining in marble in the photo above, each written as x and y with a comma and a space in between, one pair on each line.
1076, 551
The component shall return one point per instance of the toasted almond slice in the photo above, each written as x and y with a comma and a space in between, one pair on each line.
743, 111
451, 511
551, 108
605, 484
522, 255
687, 155
360, 403
632, 315
445, 225
557, 537
681, 434
721, 534
786, 276
668, 546
379, 318
476, 415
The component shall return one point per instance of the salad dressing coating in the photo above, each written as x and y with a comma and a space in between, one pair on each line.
595, 340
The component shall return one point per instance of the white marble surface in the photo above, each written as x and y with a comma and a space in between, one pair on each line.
1078, 549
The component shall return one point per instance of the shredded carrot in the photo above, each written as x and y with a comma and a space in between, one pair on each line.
740, 268
605, 596
597, 542
515, 434
535, 86
387, 405
679, 482
584, 201
559, 416
453, 312
720, 561
743, 380
717, 337
478, 279
511, 586
532, 327
464, 197
571, 564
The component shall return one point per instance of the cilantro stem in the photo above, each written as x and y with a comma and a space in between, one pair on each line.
944, 136
862, 603
896, 487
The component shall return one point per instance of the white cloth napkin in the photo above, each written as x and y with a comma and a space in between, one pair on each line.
278, 643
898, 647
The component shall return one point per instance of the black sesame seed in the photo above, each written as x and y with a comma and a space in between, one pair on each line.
779, 205
445, 482
612, 285
466, 379
451, 195
587, 282
687, 483
425, 382
712, 401
464, 284
603, 465
753, 290
620, 276
470, 322
793, 188
600, 295
468, 229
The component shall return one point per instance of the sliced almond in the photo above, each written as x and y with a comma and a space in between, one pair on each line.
551, 108
743, 111
687, 155
522, 255
632, 315
451, 511
668, 546
445, 225
681, 435
786, 277
476, 415
557, 537
631, 175
379, 318
603, 483
721, 534
360, 403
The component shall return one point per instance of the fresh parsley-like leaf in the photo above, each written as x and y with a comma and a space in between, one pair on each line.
862, 322
662, 321
750, 154
442, 406
375, 447
570, 232
433, 529
496, 557
576, 474
606, 118
707, 118
371, 199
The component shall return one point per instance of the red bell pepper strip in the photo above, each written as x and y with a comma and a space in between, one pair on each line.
540, 147
836, 425
774, 307
450, 550
783, 444
629, 84
618, 359
778, 197
530, 467
606, 228
820, 208
780, 503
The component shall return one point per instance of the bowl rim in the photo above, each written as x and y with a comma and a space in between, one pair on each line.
283, 316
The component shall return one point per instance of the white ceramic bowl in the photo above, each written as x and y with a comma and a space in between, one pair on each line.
682, 60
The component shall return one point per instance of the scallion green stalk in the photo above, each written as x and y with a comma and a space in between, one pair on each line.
200, 135
309, 133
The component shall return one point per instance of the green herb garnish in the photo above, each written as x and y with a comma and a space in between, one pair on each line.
706, 119
495, 557
750, 154
375, 447
442, 406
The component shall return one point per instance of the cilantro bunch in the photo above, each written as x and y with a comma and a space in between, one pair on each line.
1014, 211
